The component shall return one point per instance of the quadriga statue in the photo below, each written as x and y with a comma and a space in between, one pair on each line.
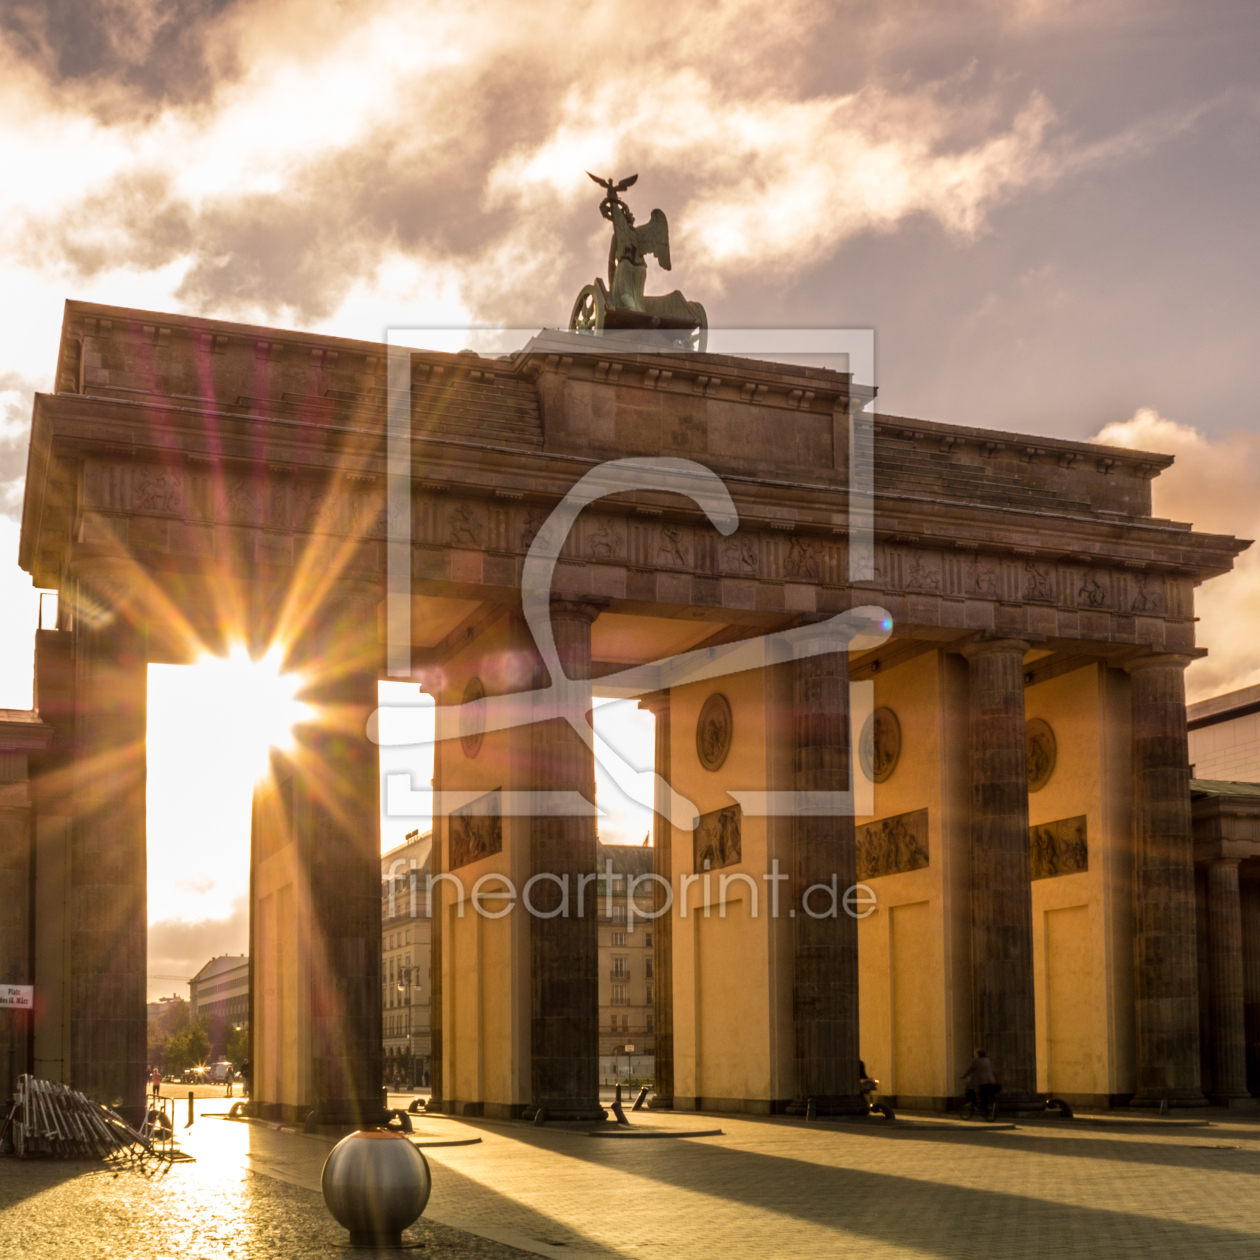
622, 304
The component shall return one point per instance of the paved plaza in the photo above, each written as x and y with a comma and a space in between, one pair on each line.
1115, 1186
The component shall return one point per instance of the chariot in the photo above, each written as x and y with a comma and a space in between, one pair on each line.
621, 303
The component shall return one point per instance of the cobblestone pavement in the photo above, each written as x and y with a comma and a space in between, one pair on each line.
764, 1188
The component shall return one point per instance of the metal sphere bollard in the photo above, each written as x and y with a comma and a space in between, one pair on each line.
376, 1183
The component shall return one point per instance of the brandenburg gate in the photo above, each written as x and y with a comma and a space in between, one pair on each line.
1022, 850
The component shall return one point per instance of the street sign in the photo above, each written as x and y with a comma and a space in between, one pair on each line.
21, 996
629, 1049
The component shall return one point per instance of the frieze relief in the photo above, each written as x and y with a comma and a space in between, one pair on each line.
476, 830
672, 548
1148, 593
892, 846
1039, 581
465, 529
738, 555
241, 500
922, 572
1093, 589
802, 559
717, 840
157, 489
1058, 848
986, 578
604, 540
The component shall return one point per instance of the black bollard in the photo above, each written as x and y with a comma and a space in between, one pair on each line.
811, 1110
540, 1117
617, 1111
189, 1125
642, 1098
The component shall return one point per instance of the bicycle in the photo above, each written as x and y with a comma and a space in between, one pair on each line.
983, 1105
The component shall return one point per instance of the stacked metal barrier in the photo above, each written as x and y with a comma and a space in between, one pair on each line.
48, 1118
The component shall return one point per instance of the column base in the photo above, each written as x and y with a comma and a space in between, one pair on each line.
1173, 1097
559, 1109
347, 1112
1241, 1100
829, 1105
661, 1102
1021, 1100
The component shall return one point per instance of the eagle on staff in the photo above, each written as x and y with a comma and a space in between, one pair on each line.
622, 303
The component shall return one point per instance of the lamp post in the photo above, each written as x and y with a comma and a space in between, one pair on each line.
407, 984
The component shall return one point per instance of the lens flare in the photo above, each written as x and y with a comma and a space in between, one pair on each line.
255, 703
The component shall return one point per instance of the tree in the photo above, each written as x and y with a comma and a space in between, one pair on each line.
172, 1017
188, 1047
237, 1046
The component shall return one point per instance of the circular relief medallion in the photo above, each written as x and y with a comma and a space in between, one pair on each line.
713, 731
1042, 753
472, 717
879, 745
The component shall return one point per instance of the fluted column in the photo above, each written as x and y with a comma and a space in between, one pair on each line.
339, 836
437, 983
1249, 901
662, 928
108, 859
18, 739
564, 949
1225, 960
1165, 981
825, 970
1001, 889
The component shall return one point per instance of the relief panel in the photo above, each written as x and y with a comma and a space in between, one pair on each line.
1058, 848
476, 830
157, 490
717, 841
892, 846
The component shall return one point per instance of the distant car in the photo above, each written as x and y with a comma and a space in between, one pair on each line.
195, 1076
217, 1073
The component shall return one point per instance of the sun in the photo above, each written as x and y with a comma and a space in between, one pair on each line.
253, 703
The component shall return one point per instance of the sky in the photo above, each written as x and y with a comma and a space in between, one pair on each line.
1046, 210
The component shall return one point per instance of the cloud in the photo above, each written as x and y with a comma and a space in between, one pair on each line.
181, 948
118, 54
17, 395
456, 136
1213, 486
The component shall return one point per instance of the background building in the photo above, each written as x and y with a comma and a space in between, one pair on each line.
219, 995
1224, 734
626, 1035
405, 955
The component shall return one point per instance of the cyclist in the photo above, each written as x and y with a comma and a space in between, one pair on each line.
982, 1085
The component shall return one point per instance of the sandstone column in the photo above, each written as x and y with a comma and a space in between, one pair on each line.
108, 860
563, 949
1165, 982
825, 971
1249, 897
1001, 891
662, 928
1225, 959
20, 735
341, 844
437, 986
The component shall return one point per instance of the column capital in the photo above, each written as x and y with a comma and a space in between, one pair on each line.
994, 647
1220, 863
655, 702
1158, 660
582, 609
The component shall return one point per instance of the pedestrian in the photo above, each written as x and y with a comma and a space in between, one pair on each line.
227, 1080
156, 1080
982, 1083
247, 1069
